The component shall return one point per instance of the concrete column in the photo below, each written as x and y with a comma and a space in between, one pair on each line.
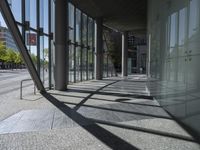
61, 47
124, 54
99, 49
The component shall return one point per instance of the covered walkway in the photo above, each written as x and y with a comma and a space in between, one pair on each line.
115, 113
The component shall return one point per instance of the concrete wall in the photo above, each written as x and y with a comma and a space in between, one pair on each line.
174, 46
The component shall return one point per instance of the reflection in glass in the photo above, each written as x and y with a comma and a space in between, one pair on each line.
71, 63
78, 26
173, 33
78, 64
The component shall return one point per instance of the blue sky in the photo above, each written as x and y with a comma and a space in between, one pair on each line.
3, 24
30, 16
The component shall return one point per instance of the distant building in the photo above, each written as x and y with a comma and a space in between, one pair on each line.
7, 39
137, 53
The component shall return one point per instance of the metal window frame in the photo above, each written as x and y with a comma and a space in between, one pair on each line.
9, 19
75, 45
50, 38
81, 55
38, 36
87, 71
93, 47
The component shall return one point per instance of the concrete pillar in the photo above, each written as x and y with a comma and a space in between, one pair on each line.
61, 48
124, 54
99, 49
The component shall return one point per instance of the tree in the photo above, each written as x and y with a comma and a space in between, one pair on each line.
34, 59
10, 56
19, 59
113, 42
3, 52
46, 58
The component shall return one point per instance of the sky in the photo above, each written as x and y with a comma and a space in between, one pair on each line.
30, 16
3, 24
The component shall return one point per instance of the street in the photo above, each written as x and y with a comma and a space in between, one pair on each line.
10, 102
10, 80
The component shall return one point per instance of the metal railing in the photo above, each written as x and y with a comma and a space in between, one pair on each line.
21, 87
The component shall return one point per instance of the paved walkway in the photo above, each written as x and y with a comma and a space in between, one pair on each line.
111, 114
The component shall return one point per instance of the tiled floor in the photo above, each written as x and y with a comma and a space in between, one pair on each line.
114, 113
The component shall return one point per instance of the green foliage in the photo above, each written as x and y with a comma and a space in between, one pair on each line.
34, 58
3, 52
113, 48
46, 53
9, 55
18, 59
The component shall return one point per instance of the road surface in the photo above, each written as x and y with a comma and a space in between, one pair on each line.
10, 80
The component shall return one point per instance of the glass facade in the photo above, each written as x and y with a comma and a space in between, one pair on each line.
81, 46
108, 66
174, 52
36, 21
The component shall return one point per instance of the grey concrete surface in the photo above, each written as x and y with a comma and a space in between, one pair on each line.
115, 113
10, 102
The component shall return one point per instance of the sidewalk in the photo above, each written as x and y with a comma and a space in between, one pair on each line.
114, 113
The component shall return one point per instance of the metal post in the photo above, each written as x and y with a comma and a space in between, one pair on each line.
49, 53
23, 19
124, 54
75, 68
93, 49
99, 49
81, 55
87, 51
38, 36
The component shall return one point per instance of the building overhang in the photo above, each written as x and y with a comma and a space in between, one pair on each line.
129, 15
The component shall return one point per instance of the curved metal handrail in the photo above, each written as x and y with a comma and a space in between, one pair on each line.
21, 87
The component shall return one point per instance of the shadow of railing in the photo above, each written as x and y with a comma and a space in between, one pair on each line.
105, 136
120, 111
105, 100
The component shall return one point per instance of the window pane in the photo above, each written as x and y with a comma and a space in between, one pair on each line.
78, 63
15, 6
44, 19
71, 63
78, 26
71, 22
31, 12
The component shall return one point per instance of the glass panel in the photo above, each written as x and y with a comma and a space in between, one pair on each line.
42, 58
71, 22
193, 17
182, 31
182, 26
31, 12
84, 64
90, 64
46, 61
90, 32
78, 63
78, 26
16, 6
90, 52
71, 63
84, 30
52, 63
31, 43
44, 19
105, 66
84, 50
173, 34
